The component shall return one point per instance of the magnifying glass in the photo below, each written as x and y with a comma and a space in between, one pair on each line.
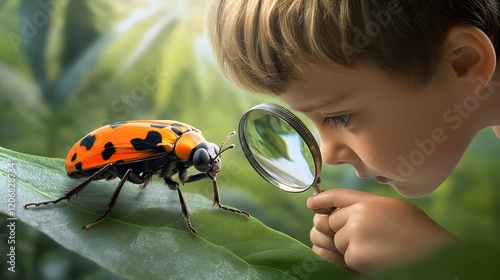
280, 148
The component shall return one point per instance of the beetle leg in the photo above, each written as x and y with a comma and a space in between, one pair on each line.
217, 201
195, 177
183, 175
173, 185
185, 212
75, 190
134, 178
146, 178
112, 201
143, 185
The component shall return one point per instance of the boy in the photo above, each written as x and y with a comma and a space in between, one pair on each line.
397, 89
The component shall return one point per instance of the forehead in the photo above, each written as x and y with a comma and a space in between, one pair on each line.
314, 86
318, 87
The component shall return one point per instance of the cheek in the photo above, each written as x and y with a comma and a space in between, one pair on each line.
377, 152
383, 136
398, 149
420, 162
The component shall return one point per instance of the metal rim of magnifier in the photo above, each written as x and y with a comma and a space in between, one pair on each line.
301, 129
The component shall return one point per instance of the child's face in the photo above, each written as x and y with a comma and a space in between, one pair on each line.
399, 135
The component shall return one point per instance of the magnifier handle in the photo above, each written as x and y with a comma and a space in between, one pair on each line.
318, 189
332, 209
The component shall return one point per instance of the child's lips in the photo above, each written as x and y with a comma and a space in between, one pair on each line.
382, 179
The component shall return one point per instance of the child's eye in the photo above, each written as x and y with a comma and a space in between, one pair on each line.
336, 121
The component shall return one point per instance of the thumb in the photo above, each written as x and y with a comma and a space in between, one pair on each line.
324, 211
324, 202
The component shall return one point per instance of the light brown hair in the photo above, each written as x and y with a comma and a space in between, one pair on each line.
261, 44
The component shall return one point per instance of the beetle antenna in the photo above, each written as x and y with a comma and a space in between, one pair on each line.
232, 133
226, 148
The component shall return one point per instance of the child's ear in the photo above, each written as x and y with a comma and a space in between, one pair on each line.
472, 57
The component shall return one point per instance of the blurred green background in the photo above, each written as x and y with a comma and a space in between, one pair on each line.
68, 67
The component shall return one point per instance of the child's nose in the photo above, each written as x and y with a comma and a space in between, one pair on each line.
335, 153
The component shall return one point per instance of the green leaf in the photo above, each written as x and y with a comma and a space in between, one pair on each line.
144, 236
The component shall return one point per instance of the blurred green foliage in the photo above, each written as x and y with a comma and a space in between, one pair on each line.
68, 67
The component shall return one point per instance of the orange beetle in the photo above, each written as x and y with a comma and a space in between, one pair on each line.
135, 151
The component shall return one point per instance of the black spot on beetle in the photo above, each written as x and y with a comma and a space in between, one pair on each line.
116, 124
176, 124
73, 158
109, 150
156, 125
78, 166
88, 141
153, 138
176, 130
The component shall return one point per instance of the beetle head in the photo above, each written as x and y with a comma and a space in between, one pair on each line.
207, 157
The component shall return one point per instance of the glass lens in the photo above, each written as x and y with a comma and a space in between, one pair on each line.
277, 151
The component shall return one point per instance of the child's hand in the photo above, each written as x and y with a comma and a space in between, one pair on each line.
370, 232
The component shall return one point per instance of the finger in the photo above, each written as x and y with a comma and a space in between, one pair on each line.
321, 223
336, 258
324, 211
322, 240
341, 241
338, 219
337, 198
333, 256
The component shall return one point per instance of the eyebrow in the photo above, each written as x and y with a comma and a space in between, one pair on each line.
308, 107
